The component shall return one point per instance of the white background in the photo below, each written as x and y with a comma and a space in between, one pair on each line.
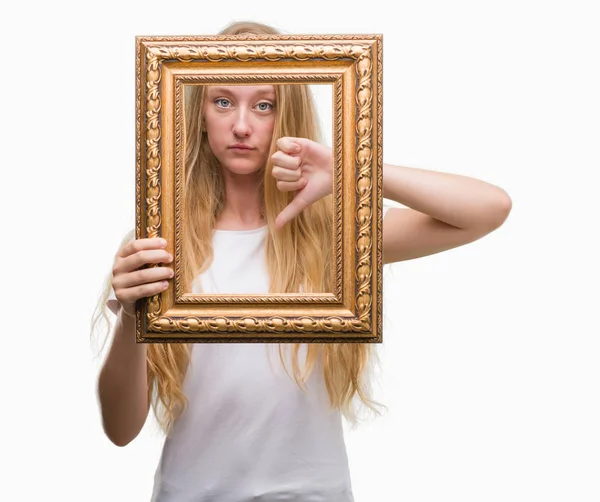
490, 364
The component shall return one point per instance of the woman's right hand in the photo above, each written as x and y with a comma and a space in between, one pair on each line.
129, 282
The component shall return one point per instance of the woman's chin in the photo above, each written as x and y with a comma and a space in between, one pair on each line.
241, 168
238, 170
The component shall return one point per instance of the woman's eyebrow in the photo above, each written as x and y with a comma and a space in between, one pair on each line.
224, 90
219, 90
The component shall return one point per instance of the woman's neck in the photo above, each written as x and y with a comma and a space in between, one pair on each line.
242, 209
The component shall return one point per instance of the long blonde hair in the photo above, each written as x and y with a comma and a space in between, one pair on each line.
300, 254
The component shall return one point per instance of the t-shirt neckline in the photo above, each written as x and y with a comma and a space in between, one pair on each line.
250, 231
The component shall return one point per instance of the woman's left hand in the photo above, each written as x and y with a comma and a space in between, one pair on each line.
304, 166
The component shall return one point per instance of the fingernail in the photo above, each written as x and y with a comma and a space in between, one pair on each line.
163, 242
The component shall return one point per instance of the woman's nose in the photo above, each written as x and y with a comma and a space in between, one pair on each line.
241, 126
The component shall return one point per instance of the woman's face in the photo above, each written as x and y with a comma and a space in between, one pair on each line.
239, 121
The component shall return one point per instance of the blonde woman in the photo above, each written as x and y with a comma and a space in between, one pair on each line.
238, 426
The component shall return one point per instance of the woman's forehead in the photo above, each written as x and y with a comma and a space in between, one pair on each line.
242, 90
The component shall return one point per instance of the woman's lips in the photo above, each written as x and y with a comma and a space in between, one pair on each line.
241, 149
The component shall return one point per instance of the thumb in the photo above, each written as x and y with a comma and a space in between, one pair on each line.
292, 210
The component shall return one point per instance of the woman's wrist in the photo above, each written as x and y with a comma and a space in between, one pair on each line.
126, 314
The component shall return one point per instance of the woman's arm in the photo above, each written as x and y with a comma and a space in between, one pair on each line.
443, 211
123, 386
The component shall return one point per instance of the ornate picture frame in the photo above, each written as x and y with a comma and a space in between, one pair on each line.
352, 64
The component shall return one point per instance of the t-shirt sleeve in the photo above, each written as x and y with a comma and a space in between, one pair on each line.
386, 206
112, 303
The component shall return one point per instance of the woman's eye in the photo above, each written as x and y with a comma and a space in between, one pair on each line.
222, 102
264, 106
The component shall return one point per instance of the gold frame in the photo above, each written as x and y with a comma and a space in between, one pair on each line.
353, 65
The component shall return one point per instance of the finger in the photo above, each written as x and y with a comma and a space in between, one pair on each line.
288, 186
144, 276
285, 160
288, 145
131, 295
282, 174
139, 259
136, 245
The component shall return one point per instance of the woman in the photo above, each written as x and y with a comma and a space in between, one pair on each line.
239, 427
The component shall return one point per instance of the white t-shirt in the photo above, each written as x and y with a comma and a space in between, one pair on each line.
249, 433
